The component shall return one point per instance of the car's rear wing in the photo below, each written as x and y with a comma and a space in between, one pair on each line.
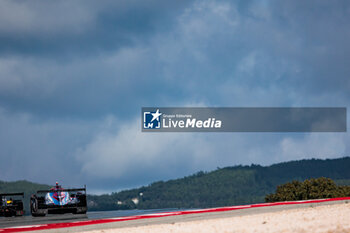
11, 194
65, 190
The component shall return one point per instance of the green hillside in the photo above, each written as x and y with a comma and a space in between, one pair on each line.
225, 186
222, 187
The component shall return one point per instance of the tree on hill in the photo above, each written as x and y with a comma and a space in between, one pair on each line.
308, 189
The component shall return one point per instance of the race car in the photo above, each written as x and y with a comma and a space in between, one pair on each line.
10, 207
58, 201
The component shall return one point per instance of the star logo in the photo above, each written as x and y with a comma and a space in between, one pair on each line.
151, 120
156, 115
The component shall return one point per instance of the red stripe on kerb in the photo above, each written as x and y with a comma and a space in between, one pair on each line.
158, 215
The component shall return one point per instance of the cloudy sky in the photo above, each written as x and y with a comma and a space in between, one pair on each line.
75, 74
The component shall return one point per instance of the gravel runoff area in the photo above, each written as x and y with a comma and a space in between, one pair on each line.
327, 218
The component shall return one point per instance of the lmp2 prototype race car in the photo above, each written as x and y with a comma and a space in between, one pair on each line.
10, 207
58, 201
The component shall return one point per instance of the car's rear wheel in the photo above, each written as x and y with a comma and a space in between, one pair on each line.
34, 208
18, 211
8, 213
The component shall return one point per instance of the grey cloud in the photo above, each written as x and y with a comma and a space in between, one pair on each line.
236, 48
43, 151
58, 28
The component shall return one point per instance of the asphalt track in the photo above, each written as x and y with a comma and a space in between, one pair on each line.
65, 223
6, 222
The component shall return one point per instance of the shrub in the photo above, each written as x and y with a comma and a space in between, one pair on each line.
309, 189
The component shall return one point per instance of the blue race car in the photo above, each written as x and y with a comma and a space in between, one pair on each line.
58, 201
